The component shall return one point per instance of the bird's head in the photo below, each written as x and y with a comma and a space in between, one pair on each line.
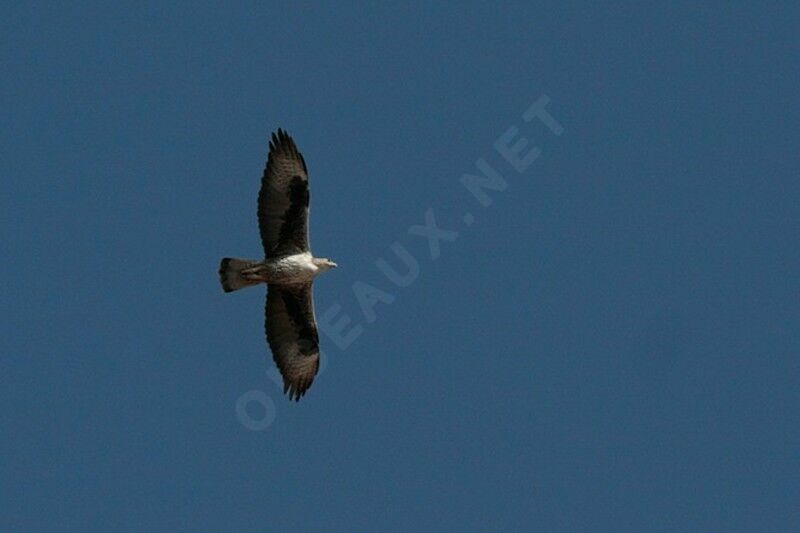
323, 263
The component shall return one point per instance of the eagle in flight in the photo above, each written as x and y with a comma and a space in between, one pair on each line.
288, 268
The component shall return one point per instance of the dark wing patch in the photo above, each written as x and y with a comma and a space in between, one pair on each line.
283, 199
292, 336
293, 232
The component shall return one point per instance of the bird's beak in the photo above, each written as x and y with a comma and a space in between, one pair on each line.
334, 265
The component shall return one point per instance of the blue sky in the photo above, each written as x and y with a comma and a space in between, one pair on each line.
611, 344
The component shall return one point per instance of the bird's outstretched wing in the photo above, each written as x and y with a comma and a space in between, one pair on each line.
292, 336
283, 199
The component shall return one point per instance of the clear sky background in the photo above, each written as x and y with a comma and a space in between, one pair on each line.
612, 344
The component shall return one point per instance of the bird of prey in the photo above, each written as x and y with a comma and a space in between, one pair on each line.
288, 268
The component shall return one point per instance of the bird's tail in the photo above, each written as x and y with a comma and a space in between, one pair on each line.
230, 273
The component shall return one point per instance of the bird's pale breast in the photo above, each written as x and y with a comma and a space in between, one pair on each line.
296, 268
